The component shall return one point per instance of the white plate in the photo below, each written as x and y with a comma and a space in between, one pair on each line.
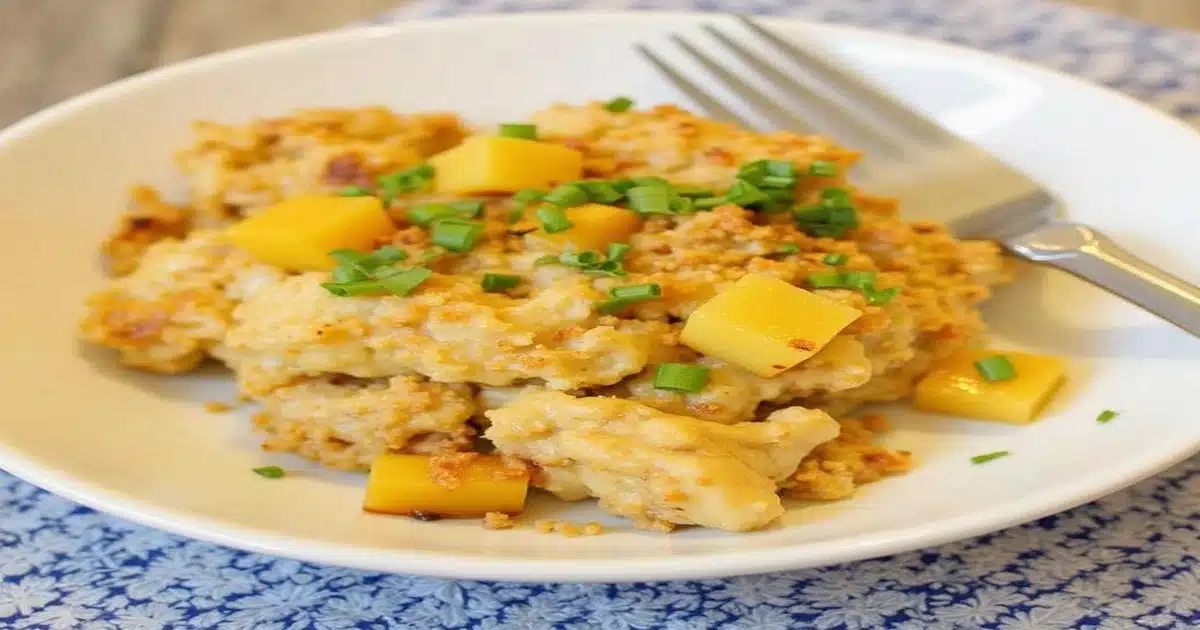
141, 446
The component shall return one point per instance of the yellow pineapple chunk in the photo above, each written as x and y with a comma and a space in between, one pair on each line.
765, 325
459, 485
497, 164
298, 233
594, 227
955, 387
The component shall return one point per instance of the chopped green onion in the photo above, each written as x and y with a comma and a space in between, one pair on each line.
694, 191
428, 256
270, 472
588, 262
355, 191
879, 297
835, 197
681, 377
776, 181
682, 205
996, 368
600, 191
581, 259
516, 214
1106, 416
617, 251
831, 217
861, 280
405, 181
787, 249
619, 104
622, 185
427, 213
650, 199
835, 259
526, 195
553, 219
637, 292
823, 168
831, 280
405, 281
496, 282
567, 196
472, 209
519, 130
745, 194
987, 457
708, 203
650, 180
619, 298
353, 288
348, 274
456, 235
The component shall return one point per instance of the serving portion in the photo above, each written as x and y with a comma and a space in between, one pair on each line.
675, 316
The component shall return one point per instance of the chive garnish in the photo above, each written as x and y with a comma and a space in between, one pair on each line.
823, 168
617, 251
270, 472
862, 281
567, 196
681, 377
496, 282
787, 249
553, 219
835, 260
456, 235
650, 199
355, 191
619, 104
588, 262
405, 281
1106, 416
519, 130
600, 191
987, 457
995, 368
404, 181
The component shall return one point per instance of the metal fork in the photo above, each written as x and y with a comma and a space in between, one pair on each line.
934, 173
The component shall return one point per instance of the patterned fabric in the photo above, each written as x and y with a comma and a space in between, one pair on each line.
1128, 561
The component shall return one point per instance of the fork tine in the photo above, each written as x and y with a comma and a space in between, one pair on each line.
710, 105
752, 95
857, 89
824, 108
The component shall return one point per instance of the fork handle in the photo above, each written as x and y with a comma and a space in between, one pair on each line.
1087, 254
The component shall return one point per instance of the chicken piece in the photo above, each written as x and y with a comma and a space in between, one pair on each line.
449, 330
346, 423
235, 170
167, 314
656, 468
148, 221
734, 394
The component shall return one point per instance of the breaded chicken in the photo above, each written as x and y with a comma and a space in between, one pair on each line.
346, 423
656, 468
177, 303
449, 330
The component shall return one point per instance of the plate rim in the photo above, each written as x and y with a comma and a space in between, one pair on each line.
1036, 505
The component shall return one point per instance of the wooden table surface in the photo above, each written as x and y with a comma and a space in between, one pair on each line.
53, 49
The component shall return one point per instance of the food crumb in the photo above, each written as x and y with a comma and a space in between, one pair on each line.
567, 528
498, 520
216, 406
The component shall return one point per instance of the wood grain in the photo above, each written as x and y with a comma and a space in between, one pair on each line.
53, 49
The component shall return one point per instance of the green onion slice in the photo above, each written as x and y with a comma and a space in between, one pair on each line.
638, 292
519, 130
405, 181
650, 199
996, 368
496, 282
567, 196
1106, 416
553, 219
619, 104
823, 168
456, 235
355, 191
617, 251
681, 377
405, 281
987, 457
270, 472
835, 259
787, 249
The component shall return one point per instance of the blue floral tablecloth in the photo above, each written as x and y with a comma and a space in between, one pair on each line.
1131, 560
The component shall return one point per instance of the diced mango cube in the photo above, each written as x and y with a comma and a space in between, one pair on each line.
955, 387
497, 164
298, 233
594, 227
468, 486
765, 325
